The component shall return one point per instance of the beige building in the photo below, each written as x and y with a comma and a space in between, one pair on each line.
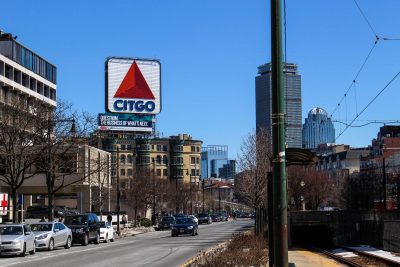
176, 159
84, 184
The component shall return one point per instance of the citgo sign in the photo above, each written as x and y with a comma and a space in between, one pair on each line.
133, 86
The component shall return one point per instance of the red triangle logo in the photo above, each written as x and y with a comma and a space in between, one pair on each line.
134, 85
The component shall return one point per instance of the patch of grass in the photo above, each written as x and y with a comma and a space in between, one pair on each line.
244, 249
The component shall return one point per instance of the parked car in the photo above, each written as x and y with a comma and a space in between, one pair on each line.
224, 215
106, 232
215, 218
17, 239
204, 218
184, 225
166, 222
85, 228
39, 211
51, 234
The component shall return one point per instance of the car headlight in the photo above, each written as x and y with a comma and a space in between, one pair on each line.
42, 236
79, 230
18, 242
190, 227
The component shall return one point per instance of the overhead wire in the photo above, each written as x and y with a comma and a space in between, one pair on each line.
370, 102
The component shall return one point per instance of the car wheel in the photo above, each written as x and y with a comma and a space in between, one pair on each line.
85, 240
23, 251
112, 239
69, 243
33, 251
51, 245
106, 239
97, 240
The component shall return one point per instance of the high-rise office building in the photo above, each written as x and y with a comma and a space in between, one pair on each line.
318, 129
215, 162
293, 118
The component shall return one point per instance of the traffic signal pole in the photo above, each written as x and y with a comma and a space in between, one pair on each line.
280, 232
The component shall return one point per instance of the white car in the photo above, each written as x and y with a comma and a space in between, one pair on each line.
17, 239
51, 234
106, 232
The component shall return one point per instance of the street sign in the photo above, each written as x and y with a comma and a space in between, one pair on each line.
133, 86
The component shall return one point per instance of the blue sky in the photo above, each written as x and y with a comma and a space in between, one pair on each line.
210, 51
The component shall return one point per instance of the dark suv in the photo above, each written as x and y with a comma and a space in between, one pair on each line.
84, 227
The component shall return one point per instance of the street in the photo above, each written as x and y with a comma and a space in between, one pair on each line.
150, 249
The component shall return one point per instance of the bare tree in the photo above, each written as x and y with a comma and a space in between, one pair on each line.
63, 131
254, 163
311, 186
20, 145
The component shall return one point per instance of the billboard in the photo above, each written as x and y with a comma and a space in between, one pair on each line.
133, 86
125, 122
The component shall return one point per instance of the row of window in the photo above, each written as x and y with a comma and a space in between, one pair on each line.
27, 81
158, 172
128, 159
33, 62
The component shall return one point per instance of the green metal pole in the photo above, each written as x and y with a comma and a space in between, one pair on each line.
280, 233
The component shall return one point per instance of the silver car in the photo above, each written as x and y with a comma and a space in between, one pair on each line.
16, 239
51, 234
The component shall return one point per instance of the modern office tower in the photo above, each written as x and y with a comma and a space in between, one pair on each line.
214, 159
293, 117
24, 76
318, 129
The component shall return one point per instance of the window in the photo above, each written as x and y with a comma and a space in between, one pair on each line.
165, 172
123, 158
129, 172
193, 149
128, 147
158, 172
158, 147
129, 158
193, 160
122, 172
192, 172
165, 148
158, 159
197, 149
197, 160
123, 147
165, 160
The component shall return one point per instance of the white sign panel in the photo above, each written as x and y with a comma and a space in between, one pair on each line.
133, 86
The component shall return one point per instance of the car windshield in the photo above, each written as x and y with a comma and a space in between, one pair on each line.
11, 230
104, 224
184, 220
41, 227
202, 215
76, 220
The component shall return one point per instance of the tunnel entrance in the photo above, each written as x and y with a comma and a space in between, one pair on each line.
312, 235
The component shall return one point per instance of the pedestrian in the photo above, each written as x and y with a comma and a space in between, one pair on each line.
43, 219
124, 220
109, 219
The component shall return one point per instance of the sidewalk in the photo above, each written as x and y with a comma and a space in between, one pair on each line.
305, 258
132, 231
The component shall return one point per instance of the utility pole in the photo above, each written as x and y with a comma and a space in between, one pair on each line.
280, 235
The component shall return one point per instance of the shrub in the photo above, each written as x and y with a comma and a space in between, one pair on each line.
145, 222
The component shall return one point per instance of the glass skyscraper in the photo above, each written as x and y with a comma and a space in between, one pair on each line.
293, 116
215, 162
318, 129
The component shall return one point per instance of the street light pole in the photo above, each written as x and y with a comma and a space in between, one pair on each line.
153, 219
202, 186
118, 192
280, 230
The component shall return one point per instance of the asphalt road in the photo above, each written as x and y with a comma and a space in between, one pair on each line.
147, 250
